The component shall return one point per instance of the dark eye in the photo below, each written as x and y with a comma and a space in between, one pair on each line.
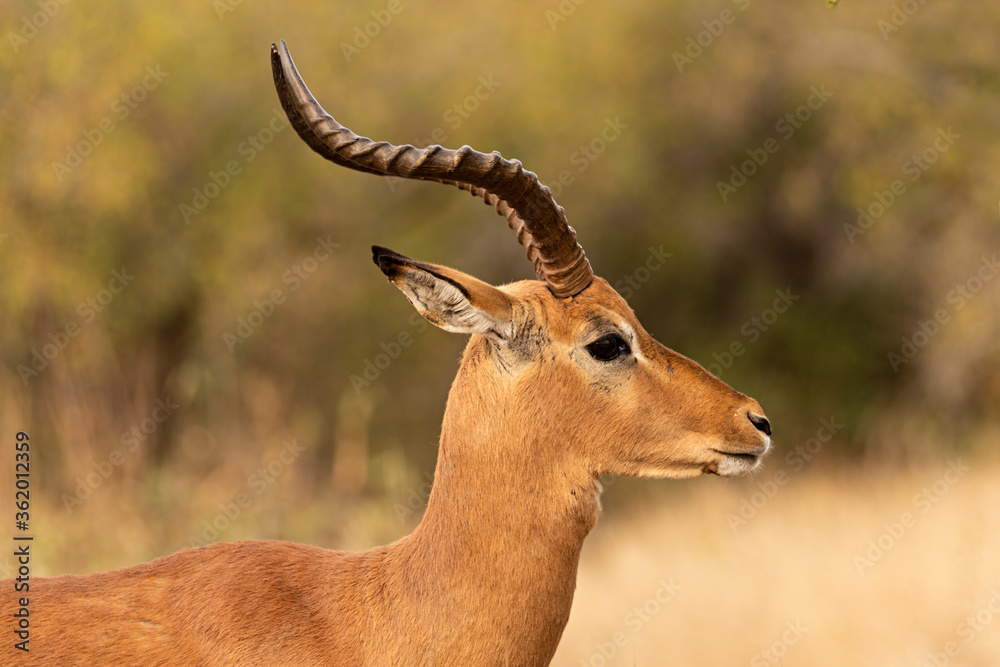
608, 347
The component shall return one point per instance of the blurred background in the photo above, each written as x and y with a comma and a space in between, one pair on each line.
804, 200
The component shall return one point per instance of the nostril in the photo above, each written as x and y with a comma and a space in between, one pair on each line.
760, 423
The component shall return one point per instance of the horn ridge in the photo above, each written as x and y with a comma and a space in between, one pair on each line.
515, 192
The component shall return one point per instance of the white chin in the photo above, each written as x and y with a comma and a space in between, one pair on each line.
734, 466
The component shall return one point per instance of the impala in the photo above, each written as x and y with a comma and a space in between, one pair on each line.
559, 384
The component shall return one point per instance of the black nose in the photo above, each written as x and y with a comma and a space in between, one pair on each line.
760, 423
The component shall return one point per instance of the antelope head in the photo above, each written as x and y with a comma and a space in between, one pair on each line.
563, 356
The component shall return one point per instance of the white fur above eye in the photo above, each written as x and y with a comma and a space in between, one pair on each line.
633, 341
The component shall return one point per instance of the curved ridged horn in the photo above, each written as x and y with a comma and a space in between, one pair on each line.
515, 192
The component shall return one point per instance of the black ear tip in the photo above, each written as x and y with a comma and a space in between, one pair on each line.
382, 255
383, 258
378, 251
388, 261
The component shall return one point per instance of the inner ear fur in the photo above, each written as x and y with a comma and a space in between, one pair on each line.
450, 299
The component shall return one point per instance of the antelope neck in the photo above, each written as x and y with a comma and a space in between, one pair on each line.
504, 526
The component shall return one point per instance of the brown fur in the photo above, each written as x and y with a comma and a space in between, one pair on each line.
487, 578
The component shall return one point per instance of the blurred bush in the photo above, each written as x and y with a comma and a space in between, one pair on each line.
744, 140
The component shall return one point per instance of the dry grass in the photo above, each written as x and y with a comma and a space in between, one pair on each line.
794, 563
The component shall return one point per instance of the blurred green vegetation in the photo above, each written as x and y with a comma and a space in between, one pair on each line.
116, 116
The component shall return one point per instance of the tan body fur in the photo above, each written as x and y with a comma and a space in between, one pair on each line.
488, 576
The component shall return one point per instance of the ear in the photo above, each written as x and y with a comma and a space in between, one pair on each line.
450, 299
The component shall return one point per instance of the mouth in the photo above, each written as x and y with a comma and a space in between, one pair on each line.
734, 464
